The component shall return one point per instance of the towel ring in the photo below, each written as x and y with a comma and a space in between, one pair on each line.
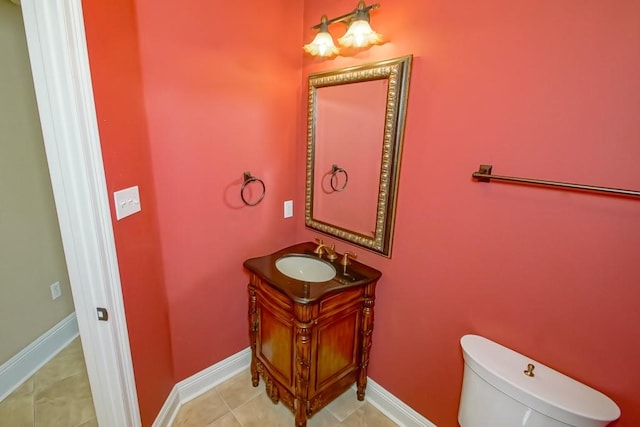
248, 179
334, 175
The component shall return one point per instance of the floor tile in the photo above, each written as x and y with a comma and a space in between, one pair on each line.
67, 402
91, 423
251, 407
57, 395
344, 405
261, 411
67, 363
239, 389
25, 388
323, 418
17, 410
227, 420
367, 415
202, 411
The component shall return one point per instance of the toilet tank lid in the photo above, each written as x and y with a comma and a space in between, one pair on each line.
549, 392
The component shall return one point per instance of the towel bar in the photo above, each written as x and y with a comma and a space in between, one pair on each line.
484, 175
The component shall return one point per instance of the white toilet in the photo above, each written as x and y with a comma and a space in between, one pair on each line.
502, 388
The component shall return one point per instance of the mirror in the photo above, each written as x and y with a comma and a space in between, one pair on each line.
355, 130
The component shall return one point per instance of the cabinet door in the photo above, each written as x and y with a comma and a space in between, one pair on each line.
336, 348
274, 346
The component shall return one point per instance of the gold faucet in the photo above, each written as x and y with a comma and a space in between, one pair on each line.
329, 250
345, 258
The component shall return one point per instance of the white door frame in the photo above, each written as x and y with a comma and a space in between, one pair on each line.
62, 80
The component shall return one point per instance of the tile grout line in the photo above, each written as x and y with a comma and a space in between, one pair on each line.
33, 398
230, 411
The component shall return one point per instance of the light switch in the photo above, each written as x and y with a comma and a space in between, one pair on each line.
288, 209
127, 202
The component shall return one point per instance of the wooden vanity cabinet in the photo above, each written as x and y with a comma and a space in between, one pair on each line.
309, 351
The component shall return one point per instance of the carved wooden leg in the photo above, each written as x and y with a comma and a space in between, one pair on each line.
303, 363
367, 331
272, 390
253, 332
301, 416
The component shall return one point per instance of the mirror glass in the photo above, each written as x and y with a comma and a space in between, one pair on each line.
354, 140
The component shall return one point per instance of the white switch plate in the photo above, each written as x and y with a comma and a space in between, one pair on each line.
127, 202
288, 209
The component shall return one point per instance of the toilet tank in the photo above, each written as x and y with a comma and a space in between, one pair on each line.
497, 392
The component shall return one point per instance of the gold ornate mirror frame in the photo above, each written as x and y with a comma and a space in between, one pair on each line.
397, 73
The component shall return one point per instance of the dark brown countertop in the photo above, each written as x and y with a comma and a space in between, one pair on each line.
353, 275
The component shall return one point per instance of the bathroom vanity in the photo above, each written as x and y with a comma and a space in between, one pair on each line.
310, 340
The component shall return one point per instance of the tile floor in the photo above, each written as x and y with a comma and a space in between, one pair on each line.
58, 395
236, 403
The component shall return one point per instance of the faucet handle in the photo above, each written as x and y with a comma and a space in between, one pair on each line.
345, 258
331, 252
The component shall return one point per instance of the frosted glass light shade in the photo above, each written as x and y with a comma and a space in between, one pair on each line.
322, 45
360, 34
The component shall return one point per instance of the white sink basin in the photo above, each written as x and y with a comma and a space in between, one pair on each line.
306, 268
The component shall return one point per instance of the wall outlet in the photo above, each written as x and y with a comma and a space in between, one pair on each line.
55, 291
288, 209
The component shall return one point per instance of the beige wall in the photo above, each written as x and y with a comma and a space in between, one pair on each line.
31, 255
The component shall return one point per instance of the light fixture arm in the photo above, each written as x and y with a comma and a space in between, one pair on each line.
360, 13
323, 25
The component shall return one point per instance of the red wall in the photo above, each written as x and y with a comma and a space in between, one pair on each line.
115, 70
540, 89
222, 90
186, 103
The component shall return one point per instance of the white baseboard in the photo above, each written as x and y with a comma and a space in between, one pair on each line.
23, 365
207, 379
394, 408
169, 410
200, 383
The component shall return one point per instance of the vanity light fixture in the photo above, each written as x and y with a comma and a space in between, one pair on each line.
359, 33
322, 44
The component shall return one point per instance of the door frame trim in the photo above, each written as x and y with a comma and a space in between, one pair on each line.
62, 80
